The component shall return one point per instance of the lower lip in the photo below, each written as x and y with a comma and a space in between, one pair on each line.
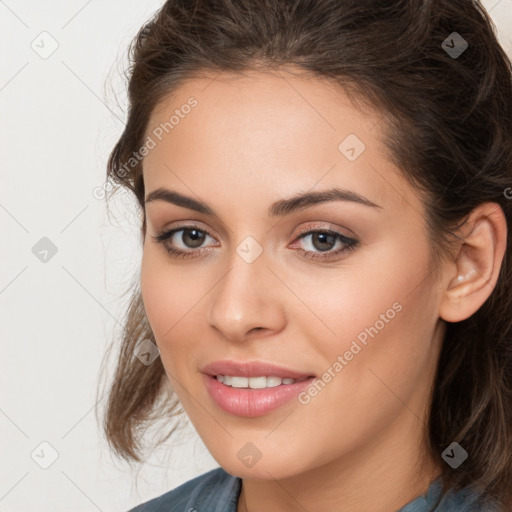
251, 403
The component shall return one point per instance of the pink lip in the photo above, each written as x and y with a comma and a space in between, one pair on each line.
251, 369
252, 402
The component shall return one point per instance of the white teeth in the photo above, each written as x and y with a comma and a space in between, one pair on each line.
272, 382
236, 381
239, 382
257, 382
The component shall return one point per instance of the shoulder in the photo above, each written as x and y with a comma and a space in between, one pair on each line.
464, 500
216, 488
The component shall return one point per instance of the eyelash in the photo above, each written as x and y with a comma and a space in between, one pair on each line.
350, 243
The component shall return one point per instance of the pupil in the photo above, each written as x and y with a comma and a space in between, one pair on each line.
322, 237
195, 236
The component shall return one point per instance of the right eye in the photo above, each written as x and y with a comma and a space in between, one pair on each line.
190, 236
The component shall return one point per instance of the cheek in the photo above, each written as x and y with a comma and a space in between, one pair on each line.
164, 297
174, 301
379, 313
383, 325
153, 289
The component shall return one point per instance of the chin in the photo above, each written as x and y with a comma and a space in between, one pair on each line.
270, 469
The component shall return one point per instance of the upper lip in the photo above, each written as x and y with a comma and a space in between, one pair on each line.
251, 369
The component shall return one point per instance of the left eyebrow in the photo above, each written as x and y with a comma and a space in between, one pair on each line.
279, 208
302, 201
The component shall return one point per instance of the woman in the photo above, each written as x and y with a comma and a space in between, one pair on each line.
325, 285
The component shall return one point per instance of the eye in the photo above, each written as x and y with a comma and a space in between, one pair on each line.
191, 238
324, 241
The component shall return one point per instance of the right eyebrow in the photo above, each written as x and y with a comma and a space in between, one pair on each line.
170, 196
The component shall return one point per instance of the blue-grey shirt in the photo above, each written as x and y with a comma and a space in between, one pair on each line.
218, 491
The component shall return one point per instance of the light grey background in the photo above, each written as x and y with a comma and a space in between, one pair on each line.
61, 114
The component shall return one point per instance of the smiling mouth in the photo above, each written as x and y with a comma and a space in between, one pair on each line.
262, 382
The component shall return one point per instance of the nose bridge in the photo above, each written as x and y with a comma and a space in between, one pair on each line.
243, 299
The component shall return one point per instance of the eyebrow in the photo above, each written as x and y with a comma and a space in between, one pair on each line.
278, 209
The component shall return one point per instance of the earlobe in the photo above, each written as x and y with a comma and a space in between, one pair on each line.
477, 265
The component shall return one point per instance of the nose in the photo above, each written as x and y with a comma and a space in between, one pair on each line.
248, 299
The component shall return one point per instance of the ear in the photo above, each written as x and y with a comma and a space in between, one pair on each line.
470, 279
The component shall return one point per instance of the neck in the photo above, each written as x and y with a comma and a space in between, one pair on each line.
378, 477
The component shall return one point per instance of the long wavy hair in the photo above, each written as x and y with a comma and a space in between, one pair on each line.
449, 129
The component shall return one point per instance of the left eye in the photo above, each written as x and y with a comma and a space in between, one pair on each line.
322, 238
192, 238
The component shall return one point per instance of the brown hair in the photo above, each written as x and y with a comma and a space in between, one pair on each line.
449, 129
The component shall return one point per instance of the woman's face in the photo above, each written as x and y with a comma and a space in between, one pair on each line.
332, 287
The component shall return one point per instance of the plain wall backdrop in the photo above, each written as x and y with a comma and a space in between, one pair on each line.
65, 261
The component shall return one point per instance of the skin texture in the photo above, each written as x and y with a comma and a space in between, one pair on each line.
253, 140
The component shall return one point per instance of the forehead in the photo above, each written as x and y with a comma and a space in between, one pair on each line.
260, 102
260, 132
